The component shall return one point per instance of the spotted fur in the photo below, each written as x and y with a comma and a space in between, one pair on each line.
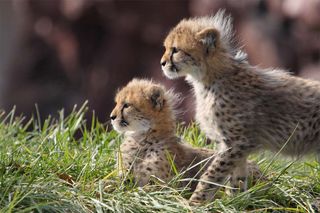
145, 152
241, 107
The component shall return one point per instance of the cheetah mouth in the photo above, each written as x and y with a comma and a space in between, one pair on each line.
174, 68
171, 71
124, 123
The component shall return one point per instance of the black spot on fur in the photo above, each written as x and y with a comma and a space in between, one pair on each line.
239, 154
202, 183
243, 147
230, 163
224, 171
314, 126
220, 179
148, 142
227, 141
251, 146
197, 198
241, 179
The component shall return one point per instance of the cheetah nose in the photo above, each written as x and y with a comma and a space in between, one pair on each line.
112, 117
163, 63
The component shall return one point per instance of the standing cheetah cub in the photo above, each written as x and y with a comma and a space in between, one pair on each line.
145, 114
241, 107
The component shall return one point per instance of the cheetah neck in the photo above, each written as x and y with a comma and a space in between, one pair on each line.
219, 67
153, 134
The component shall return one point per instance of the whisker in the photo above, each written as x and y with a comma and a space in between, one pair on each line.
124, 123
107, 122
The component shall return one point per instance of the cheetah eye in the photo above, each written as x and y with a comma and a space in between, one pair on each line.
174, 50
125, 105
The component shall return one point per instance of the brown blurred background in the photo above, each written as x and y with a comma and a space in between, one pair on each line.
58, 53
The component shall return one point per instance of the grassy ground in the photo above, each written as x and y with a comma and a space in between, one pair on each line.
64, 166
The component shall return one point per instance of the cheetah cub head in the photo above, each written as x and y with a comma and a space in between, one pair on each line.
143, 105
197, 45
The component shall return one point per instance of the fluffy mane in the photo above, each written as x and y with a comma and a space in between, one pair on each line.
224, 24
174, 100
219, 21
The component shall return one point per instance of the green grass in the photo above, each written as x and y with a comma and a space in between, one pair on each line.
67, 165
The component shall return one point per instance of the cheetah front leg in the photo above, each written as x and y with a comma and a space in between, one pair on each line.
239, 177
224, 164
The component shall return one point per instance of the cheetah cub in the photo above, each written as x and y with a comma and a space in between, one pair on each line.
242, 107
145, 114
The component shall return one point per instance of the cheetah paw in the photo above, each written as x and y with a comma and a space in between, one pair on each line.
195, 201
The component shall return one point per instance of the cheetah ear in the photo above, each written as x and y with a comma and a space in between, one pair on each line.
156, 96
208, 37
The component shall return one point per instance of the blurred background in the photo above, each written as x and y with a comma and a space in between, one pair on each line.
58, 53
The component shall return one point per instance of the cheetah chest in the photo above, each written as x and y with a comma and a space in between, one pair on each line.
206, 113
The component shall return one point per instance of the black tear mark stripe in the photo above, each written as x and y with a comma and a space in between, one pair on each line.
122, 117
171, 55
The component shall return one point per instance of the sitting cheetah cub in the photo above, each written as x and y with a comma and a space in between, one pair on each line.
241, 107
145, 114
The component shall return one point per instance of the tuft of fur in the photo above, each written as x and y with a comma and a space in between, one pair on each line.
222, 23
241, 107
148, 154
